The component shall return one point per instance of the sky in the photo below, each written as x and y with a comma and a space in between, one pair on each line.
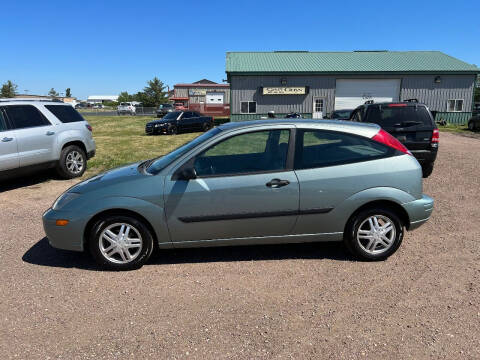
105, 47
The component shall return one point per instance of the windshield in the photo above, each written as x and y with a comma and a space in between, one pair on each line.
162, 106
172, 115
161, 162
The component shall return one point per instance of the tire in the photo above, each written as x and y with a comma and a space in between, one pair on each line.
72, 162
172, 130
206, 127
361, 246
427, 169
472, 126
141, 243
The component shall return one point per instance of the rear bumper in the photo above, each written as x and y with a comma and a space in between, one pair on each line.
425, 156
419, 211
90, 154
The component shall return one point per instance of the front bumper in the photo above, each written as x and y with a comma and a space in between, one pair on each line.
419, 211
69, 237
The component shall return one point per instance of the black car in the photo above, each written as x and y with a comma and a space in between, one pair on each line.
410, 122
474, 123
343, 114
179, 121
164, 109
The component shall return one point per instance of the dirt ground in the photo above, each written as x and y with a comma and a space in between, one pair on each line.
288, 301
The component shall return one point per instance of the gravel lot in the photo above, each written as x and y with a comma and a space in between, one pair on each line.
295, 301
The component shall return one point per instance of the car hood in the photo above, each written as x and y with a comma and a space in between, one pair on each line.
116, 176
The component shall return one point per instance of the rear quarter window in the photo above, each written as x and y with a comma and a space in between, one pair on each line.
25, 116
65, 113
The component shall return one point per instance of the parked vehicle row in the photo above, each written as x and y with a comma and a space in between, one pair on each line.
43, 134
179, 121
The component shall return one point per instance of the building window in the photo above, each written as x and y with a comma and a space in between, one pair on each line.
455, 105
248, 107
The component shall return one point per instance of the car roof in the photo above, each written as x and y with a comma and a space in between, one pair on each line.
407, 103
364, 129
29, 100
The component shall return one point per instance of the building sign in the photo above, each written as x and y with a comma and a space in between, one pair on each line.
283, 90
197, 92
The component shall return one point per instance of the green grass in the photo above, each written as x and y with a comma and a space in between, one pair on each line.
454, 128
122, 140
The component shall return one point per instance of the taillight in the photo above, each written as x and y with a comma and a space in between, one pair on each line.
385, 138
89, 127
435, 136
397, 105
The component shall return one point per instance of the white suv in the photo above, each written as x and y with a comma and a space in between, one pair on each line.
126, 108
39, 134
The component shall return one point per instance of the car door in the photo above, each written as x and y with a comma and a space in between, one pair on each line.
8, 145
35, 134
245, 188
198, 121
187, 121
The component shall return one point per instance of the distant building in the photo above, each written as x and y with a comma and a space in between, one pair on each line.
96, 99
204, 96
315, 84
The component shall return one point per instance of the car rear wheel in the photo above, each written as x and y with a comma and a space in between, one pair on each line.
120, 243
471, 125
72, 163
374, 234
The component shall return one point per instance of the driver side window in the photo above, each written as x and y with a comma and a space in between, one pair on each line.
260, 151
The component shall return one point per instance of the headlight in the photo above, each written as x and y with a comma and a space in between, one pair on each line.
63, 200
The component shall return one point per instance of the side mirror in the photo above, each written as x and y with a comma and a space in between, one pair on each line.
187, 173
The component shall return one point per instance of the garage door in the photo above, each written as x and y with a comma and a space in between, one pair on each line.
351, 93
214, 98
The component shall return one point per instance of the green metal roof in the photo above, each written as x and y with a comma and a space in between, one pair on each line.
346, 62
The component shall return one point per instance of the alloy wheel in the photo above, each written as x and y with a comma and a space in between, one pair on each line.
376, 234
74, 162
120, 243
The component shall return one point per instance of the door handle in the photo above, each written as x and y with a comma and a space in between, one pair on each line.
50, 133
7, 139
277, 183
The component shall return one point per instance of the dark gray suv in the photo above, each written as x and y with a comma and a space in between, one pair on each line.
410, 122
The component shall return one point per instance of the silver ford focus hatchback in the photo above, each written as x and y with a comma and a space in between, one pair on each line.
246, 183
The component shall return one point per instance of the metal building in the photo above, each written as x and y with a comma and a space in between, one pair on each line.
204, 96
316, 83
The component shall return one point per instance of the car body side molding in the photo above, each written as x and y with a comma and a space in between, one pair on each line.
191, 219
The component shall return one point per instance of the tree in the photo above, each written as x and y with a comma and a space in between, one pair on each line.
154, 93
68, 92
125, 97
9, 89
53, 93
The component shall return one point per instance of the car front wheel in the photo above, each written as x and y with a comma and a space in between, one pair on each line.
72, 163
374, 234
120, 243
